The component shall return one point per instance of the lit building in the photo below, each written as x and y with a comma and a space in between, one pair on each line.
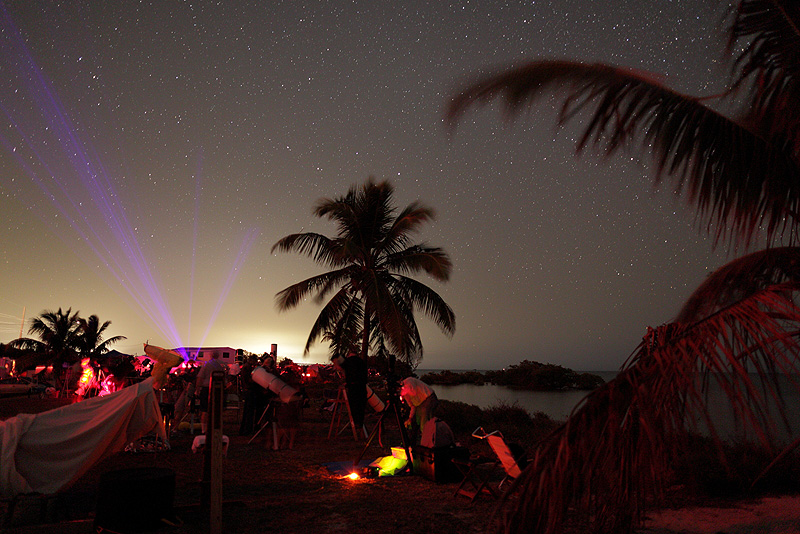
227, 355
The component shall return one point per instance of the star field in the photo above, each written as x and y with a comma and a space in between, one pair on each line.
182, 139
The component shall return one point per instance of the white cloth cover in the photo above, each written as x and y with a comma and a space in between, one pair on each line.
45, 452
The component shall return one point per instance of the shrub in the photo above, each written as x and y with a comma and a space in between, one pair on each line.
514, 422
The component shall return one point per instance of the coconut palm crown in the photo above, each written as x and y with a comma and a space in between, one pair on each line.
372, 295
64, 337
90, 341
58, 338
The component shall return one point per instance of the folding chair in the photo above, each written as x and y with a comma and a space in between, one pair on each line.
505, 456
477, 470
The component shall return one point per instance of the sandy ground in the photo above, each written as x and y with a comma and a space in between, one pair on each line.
773, 515
286, 491
290, 491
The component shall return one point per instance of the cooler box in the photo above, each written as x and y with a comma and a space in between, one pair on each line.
437, 464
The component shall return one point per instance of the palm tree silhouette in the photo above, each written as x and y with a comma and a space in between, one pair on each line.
58, 339
741, 172
90, 337
372, 297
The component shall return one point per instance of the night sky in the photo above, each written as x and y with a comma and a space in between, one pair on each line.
151, 153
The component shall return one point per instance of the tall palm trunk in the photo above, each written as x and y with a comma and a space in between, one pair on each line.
365, 336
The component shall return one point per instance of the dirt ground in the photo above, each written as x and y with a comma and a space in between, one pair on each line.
771, 515
270, 491
291, 491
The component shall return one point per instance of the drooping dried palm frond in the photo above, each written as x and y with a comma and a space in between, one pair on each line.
740, 278
611, 458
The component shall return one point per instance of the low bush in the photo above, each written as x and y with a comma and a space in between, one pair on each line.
515, 423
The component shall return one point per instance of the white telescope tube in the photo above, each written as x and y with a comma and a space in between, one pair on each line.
374, 401
284, 391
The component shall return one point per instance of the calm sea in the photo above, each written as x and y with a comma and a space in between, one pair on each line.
555, 404
559, 404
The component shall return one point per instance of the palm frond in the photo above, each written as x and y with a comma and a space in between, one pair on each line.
28, 344
332, 313
413, 349
432, 260
407, 223
340, 211
105, 346
429, 302
740, 278
345, 335
767, 36
413, 341
362, 215
739, 182
317, 246
336, 279
609, 461
292, 295
58, 332
388, 313
90, 336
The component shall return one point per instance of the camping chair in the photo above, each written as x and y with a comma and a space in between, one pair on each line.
478, 469
505, 456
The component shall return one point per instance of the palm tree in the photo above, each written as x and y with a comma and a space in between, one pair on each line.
372, 298
90, 337
58, 339
741, 172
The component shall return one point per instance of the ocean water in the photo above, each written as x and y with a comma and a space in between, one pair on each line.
555, 404
559, 404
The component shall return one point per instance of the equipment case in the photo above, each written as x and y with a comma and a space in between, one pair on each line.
436, 464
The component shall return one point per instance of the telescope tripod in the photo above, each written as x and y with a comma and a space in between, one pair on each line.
392, 409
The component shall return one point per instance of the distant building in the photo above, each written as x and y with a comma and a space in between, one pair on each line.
202, 354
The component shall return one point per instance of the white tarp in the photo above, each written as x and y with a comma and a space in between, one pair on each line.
45, 452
